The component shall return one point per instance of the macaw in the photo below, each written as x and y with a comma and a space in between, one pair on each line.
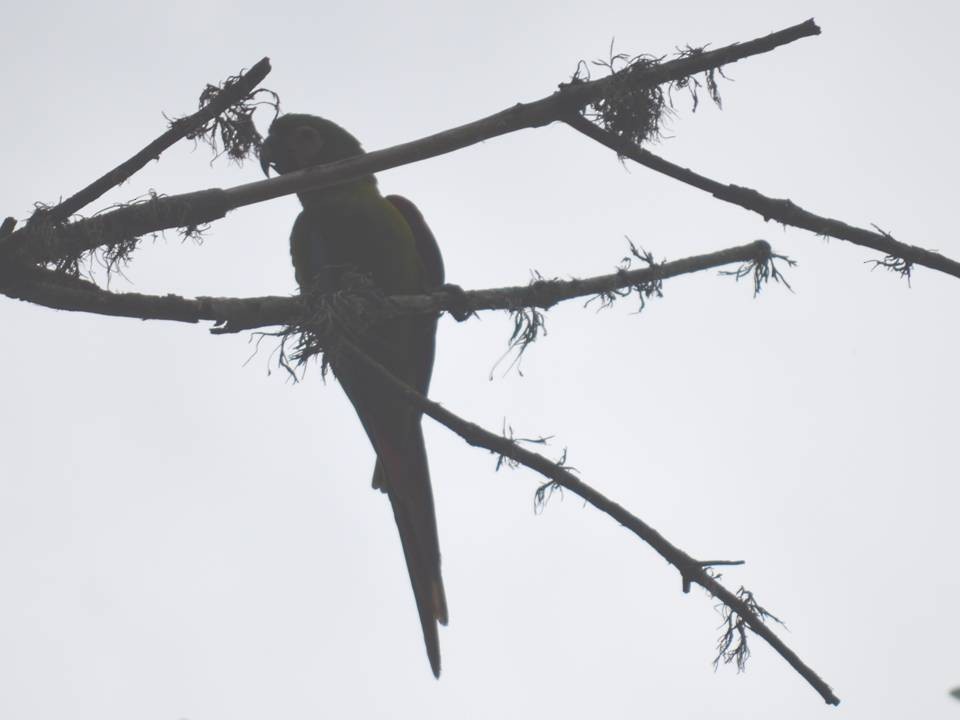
352, 227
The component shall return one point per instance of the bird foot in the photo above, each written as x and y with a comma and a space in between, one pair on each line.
459, 307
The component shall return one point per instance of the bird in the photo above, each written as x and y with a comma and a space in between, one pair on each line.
351, 228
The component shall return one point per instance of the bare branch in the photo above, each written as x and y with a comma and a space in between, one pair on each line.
210, 205
50, 289
781, 210
741, 606
232, 93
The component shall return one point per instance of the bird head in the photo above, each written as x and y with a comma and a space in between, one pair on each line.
297, 141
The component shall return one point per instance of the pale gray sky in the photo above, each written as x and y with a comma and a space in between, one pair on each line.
183, 535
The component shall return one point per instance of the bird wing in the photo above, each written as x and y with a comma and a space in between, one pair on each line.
427, 246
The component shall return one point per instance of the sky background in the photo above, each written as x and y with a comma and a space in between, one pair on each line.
186, 534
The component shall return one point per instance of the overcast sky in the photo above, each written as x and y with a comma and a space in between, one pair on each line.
184, 534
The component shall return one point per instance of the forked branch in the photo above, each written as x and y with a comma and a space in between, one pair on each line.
209, 205
233, 92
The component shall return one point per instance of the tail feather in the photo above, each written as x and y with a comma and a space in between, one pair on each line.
403, 474
428, 593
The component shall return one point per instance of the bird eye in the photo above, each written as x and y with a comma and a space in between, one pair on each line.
307, 135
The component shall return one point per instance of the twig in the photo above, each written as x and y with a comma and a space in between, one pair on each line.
690, 569
781, 210
210, 205
50, 289
228, 96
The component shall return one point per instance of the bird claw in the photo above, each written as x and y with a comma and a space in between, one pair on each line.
459, 307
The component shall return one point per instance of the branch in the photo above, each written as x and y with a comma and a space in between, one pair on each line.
691, 570
54, 290
783, 211
232, 93
210, 205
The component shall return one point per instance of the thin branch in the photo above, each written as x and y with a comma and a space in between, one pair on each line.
781, 210
210, 205
231, 94
691, 570
53, 290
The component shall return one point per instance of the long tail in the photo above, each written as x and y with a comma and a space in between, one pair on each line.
404, 475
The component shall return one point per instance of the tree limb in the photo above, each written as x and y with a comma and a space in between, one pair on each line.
781, 210
54, 290
691, 570
206, 206
232, 93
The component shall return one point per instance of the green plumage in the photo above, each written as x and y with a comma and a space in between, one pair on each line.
352, 228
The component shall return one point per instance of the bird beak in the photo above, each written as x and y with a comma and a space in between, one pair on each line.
266, 156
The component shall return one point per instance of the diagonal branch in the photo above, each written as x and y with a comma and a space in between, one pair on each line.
210, 205
53, 290
783, 211
691, 570
231, 94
